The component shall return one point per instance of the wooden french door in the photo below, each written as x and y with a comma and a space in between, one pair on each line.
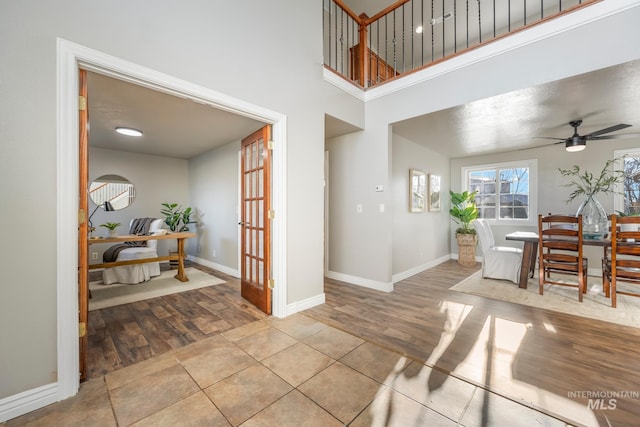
83, 231
255, 219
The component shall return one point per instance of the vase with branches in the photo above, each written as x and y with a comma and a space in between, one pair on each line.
586, 184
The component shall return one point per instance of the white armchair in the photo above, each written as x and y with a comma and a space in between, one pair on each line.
136, 273
498, 262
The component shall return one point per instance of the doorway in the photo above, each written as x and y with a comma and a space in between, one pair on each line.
71, 58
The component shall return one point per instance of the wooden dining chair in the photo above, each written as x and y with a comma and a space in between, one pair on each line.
622, 258
560, 252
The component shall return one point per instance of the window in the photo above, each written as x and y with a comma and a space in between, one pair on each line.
627, 194
505, 190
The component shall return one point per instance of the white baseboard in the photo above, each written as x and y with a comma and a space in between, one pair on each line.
367, 283
419, 269
222, 268
27, 401
305, 304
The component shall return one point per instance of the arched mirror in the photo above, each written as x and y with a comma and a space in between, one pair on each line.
116, 190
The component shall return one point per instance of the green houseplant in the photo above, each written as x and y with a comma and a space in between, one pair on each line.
464, 211
585, 184
176, 218
111, 226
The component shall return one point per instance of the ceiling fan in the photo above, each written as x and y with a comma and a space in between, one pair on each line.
578, 142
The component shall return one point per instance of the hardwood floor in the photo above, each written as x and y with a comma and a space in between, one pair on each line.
528, 354
542, 358
123, 335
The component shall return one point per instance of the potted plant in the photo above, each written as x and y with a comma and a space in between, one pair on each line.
464, 211
176, 218
594, 218
111, 226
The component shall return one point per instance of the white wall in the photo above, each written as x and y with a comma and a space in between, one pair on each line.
213, 187
211, 44
419, 239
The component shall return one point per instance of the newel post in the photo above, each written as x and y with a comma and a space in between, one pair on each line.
364, 51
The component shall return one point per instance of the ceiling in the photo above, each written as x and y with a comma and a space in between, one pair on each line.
182, 128
171, 126
512, 121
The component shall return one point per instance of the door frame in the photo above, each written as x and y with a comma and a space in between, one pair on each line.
70, 58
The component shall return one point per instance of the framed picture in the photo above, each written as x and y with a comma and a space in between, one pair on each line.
434, 193
417, 190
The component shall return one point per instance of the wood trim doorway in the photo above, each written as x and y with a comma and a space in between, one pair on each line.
71, 56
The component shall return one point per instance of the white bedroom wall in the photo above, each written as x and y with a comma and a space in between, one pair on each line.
156, 179
213, 187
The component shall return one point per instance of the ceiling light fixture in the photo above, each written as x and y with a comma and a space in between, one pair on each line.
419, 29
128, 131
575, 143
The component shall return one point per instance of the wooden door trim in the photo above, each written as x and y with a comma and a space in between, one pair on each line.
83, 232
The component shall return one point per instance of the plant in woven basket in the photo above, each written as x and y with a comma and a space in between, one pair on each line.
464, 211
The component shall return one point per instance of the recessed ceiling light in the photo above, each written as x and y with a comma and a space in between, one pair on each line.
419, 29
129, 131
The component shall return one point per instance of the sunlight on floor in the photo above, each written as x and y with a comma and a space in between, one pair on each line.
491, 361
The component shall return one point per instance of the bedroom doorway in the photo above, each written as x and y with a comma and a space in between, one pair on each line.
80, 292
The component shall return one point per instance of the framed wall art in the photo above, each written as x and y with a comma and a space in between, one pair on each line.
417, 190
434, 193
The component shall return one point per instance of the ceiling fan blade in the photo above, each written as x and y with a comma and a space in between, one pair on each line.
618, 136
548, 137
539, 146
607, 130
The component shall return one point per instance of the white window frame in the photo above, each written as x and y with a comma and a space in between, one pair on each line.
532, 164
618, 197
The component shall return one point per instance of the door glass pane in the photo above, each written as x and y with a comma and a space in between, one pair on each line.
260, 218
260, 183
254, 156
247, 159
260, 153
254, 181
260, 272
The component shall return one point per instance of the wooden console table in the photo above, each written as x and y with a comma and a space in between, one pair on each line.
180, 237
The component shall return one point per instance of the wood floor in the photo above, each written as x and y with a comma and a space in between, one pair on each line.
528, 354
525, 353
123, 335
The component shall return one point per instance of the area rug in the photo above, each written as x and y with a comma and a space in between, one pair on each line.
557, 298
103, 296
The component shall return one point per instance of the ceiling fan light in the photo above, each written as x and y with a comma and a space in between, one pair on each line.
128, 131
575, 144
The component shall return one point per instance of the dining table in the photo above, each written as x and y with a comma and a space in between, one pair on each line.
530, 252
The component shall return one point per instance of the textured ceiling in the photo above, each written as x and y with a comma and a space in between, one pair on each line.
172, 126
512, 121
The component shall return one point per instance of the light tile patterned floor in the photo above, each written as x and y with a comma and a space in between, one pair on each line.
282, 372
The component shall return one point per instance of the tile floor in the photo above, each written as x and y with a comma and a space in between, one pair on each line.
282, 372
